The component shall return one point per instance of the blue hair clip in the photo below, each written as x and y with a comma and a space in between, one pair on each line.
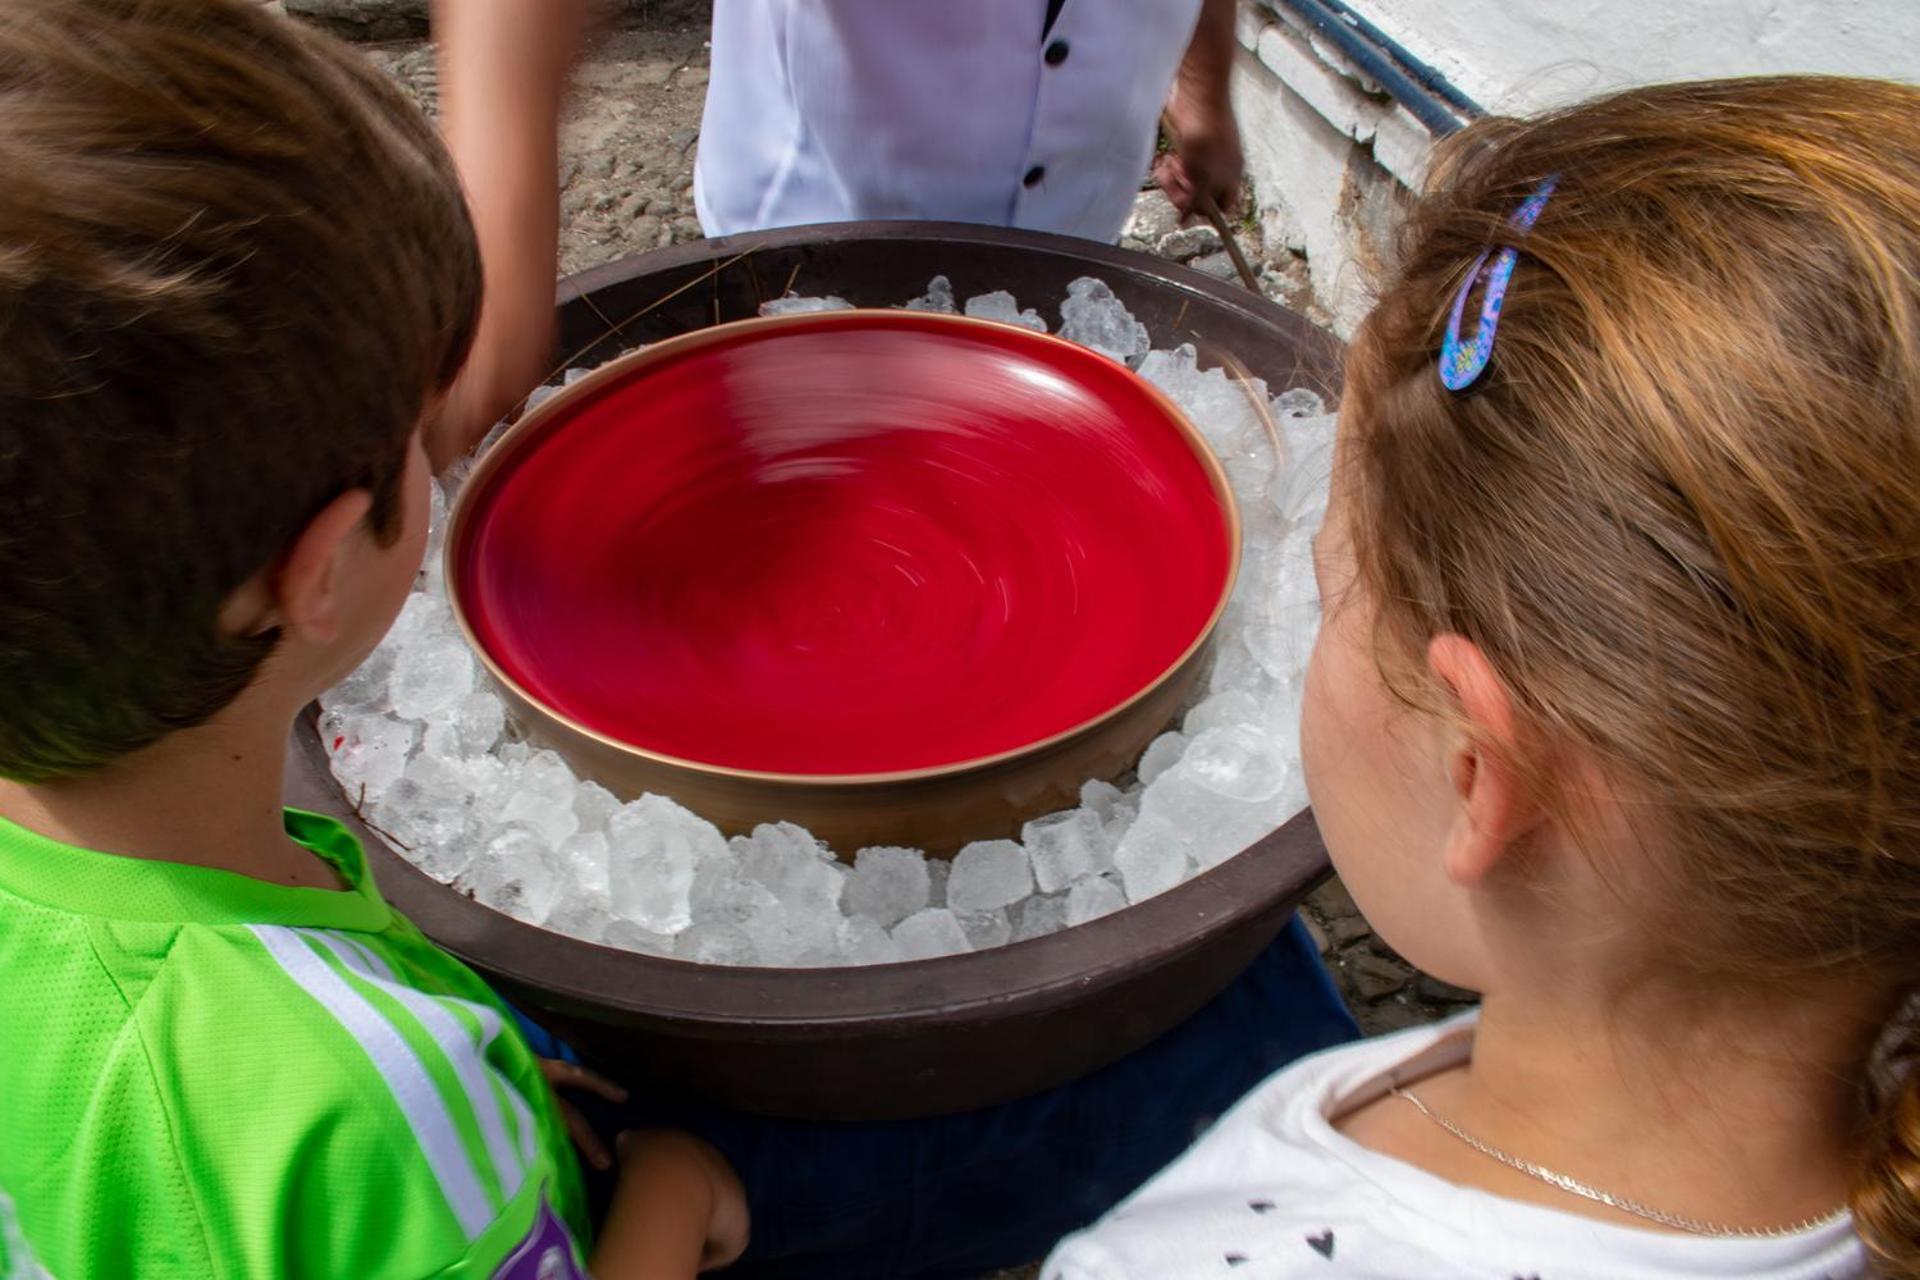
1462, 362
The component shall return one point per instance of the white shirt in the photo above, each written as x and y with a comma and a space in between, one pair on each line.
1273, 1192
834, 110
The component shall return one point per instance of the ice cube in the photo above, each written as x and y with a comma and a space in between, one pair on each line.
1300, 491
368, 751
433, 567
655, 846
1161, 755
1093, 317
594, 805
1124, 812
514, 874
1213, 827
1234, 666
715, 943
794, 931
478, 720
1174, 371
629, 936
721, 893
887, 884
430, 676
1236, 761
365, 687
793, 306
1299, 402
580, 917
862, 940
1218, 710
541, 795
988, 875
1152, 858
1065, 847
1281, 631
586, 858
1039, 915
1100, 797
1093, 897
938, 297
433, 835
939, 871
792, 864
1000, 305
984, 929
422, 617
930, 933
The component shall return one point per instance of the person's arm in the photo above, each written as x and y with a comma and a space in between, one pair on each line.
1206, 153
679, 1210
503, 73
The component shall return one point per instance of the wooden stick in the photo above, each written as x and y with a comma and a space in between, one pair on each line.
1211, 212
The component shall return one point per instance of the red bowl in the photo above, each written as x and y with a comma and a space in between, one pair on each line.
843, 549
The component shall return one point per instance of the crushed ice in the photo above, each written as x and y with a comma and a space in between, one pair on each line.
421, 741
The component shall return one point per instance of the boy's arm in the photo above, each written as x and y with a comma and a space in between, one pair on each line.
503, 72
679, 1210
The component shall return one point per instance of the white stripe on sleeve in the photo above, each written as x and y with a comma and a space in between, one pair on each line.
451, 1035
426, 1112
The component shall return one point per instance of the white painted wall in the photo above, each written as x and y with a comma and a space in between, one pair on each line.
1326, 150
1520, 55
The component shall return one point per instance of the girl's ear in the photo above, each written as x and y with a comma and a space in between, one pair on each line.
300, 592
1493, 806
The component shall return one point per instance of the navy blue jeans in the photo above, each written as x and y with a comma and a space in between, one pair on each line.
956, 1196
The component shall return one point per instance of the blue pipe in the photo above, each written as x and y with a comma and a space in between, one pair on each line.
1438, 114
1420, 71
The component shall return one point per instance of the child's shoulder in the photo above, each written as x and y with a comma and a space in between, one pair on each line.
1275, 1191
1272, 1187
219, 1088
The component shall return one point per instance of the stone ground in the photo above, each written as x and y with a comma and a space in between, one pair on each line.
628, 146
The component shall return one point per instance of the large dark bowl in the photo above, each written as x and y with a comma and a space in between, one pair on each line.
929, 1036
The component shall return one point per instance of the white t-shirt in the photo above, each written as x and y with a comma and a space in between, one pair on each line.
957, 110
1273, 1192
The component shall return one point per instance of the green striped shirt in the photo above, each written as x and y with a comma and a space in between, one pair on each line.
206, 1075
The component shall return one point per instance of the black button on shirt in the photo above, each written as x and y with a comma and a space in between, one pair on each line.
1056, 53
1034, 175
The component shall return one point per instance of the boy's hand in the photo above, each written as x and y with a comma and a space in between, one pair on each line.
569, 1075
679, 1209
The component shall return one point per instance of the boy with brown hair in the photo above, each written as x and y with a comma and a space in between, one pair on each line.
236, 279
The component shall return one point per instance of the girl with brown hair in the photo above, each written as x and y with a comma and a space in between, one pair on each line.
1613, 718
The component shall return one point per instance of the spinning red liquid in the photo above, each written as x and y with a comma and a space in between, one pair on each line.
848, 544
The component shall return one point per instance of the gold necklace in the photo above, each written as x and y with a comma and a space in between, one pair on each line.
1573, 1186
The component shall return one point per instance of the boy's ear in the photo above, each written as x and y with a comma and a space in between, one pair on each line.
1493, 807
300, 592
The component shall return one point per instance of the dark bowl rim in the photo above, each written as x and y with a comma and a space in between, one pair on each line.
1038, 972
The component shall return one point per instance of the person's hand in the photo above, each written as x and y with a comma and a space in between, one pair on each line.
569, 1075
679, 1209
727, 1219
503, 72
1206, 155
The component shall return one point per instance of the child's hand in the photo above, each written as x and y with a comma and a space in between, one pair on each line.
573, 1076
679, 1209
